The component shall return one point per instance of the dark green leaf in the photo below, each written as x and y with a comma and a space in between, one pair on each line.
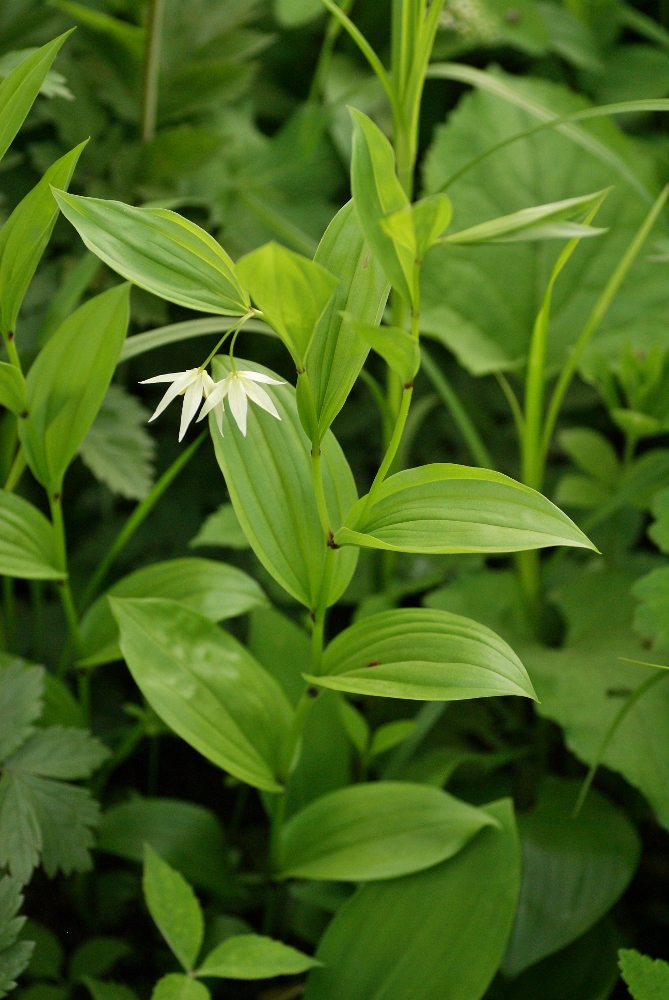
118, 449
97, 956
21, 690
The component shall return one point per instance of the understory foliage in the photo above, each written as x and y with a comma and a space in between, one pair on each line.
334, 422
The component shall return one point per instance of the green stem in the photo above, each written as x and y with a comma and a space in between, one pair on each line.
364, 46
66, 596
318, 631
16, 471
137, 517
332, 33
389, 456
10, 347
154, 31
468, 431
321, 504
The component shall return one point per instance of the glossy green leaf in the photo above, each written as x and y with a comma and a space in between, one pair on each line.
254, 956
12, 389
422, 654
269, 479
398, 348
377, 192
538, 223
20, 88
455, 508
27, 542
574, 870
186, 835
215, 589
292, 292
646, 978
160, 251
444, 929
174, 908
376, 830
68, 381
337, 354
206, 687
221, 529
25, 234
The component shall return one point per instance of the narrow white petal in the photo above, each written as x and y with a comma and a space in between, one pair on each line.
218, 416
259, 377
170, 377
260, 397
215, 396
191, 403
177, 387
207, 383
238, 404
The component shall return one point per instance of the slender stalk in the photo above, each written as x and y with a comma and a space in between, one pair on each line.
68, 601
137, 517
321, 504
514, 405
16, 471
318, 631
154, 31
10, 347
332, 33
389, 456
364, 46
468, 431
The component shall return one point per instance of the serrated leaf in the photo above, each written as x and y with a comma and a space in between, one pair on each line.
13, 961
174, 908
118, 448
20, 832
66, 815
646, 978
254, 956
59, 753
21, 692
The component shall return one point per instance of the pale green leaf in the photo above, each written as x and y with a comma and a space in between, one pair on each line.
647, 978
14, 955
533, 223
355, 724
27, 541
12, 389
398, 348
254, 956
221, 529
174, 908
390, 735
176, 986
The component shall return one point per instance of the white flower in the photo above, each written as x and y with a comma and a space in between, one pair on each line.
192, 385
237, 386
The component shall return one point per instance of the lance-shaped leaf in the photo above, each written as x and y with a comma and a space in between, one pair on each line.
377, 192
206, 687
25, 234
292, 292
215, 589
68, 381
418, 227
398, 348
543, 222
27, 542
422, 654
21, 87
174, 908
12, 389
159, 251
268, 474
455, 508
377, 830
254, 956
337, 353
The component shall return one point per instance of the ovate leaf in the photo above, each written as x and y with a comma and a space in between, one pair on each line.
174, 908
118, 449
253, 956
27, 541
206, 687
376, 831
159, 251
221, 529
176, 986
422, 654
68, 381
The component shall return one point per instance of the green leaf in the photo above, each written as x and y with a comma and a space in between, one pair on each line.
337, 354
422, 654
176, 986
97, 956
376, 831
68, 381
293, 13
282, 647
236, 717
21, 87
398, 348
60, 706
650, 620
118, 449
221, 529
324, 763
21, 690
292, 292
455, 508
269, 479
444, 929
659, 530
647, 978
574, 870
57, 752
27, 541
418, 227
174, 908
14, 955
355, 724
214, 589
538, 223
47, 958
12, 389
390, 735
130, 36
25, 234
101, 990
376, 193
187, 836
592, 453
253, 956
159, 251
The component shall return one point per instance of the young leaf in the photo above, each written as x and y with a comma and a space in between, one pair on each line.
206, 687
174, 908
422, 654
444, 929
253, 956
176, 986
418, 227
377, 192
454, 508
398, 348
25, 234
68, 381
538, 223
390, 735
12, 389
337, 354
27, 541
221, 529
214, 589
21, 87
269, 479
647, 978
376, 830
355, 724
118, 449
292, 292
159, 251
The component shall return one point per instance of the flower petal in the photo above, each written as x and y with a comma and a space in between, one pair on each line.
259, 377
260, 397
178, 386
218, 416
189, 409
238, 404
215, 396
170, 377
